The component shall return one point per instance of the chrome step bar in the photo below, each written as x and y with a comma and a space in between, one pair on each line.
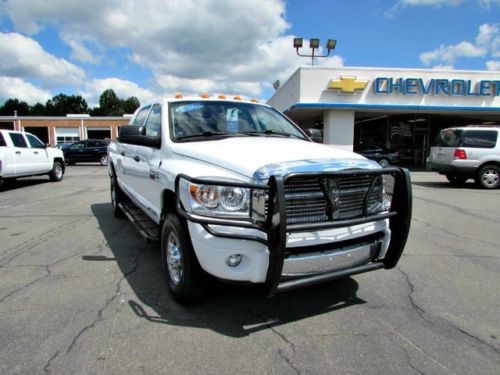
146, 227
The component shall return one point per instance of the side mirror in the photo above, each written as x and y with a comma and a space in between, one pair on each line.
315, 135
136, 135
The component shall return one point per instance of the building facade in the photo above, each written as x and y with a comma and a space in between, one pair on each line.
60, 130
398, 109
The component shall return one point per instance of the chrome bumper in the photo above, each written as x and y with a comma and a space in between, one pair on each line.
330, 260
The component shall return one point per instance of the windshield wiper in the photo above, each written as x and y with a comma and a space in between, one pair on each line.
212, 133
275, 133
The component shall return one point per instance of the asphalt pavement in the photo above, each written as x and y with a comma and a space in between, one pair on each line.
81, 292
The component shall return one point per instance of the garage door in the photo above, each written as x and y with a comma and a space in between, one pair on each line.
99, 133
67, 135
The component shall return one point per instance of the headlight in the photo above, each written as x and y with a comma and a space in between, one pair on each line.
380, 199
215, 200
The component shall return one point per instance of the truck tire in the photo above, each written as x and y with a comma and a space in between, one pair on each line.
489, 177
186, 281
57, 172
116, 197
103, 159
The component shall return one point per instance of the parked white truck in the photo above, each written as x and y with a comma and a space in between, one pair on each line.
23, 155
235, 190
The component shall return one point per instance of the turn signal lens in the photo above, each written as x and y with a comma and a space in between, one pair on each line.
207, 195
460, 154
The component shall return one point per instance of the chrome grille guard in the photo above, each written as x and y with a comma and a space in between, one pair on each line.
276, 228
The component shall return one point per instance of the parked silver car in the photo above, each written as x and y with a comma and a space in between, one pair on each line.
468, 152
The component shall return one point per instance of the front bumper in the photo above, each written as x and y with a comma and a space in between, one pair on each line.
271, 255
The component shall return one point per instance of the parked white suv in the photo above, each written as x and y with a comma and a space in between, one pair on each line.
467, 152
23, 155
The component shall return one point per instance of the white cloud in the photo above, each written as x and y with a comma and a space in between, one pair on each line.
219, 44
487, 43
22, 90
402, 4
487, 4
122, 88
25, 58
493, 65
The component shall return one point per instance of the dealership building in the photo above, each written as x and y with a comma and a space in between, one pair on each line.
68, 129
398, 109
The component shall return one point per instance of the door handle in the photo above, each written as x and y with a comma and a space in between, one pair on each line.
18, 152
35, 152
137, 158
122, 153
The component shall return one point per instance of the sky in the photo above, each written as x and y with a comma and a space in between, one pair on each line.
156, 48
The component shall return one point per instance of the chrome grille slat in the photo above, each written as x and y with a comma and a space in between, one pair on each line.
306, 203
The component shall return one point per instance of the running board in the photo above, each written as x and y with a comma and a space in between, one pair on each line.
146, 227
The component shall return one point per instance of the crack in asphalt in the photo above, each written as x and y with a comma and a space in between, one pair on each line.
450, 324
282, 337
37, 240
48, 272
455, 208
46, 368
451, 234
407, 355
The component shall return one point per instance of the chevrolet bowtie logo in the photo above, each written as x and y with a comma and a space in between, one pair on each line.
348, 84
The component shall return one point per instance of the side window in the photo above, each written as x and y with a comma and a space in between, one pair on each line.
92, 144
2, 141
141, 116
18, 140
479, 139
34, 141
78, 145
153, 123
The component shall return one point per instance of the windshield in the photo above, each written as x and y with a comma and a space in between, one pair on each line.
193, 119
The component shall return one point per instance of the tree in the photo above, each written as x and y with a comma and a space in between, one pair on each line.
110, 104
12, 106
130, 105
61, 105
37, 110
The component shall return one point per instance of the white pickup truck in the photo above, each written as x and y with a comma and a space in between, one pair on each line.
235, 190
23, 155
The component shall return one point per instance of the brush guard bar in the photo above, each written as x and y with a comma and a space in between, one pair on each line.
276, 228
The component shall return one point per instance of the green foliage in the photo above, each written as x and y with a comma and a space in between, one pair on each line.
60, 105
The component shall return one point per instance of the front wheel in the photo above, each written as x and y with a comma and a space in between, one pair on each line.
185, 279
116, 198
103, 160
489, 177
57, 172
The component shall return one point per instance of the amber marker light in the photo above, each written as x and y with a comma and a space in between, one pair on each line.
237, 98
205, 95
179, 96
254, 100
222, 96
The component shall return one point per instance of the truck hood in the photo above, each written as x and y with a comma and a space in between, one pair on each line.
259, 157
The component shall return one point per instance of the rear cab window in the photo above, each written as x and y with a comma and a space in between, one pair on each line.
2, 140
34, 142
18, 140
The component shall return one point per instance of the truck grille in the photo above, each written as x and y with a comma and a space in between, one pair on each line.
306, 200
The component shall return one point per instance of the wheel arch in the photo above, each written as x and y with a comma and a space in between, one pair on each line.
61, 160
168, 204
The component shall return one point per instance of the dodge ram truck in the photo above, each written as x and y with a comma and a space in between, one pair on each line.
234, 190
23, 155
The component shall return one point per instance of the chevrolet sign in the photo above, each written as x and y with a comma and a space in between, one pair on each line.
436, 87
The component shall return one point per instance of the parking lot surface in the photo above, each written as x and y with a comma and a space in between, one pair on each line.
81, 292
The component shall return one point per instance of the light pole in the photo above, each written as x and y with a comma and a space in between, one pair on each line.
314, 44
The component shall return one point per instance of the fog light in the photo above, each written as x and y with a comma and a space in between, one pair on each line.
233, 260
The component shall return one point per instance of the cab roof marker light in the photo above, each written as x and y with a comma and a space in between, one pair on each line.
205, 95
237, 97
254, 100
179, 96
222, 96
